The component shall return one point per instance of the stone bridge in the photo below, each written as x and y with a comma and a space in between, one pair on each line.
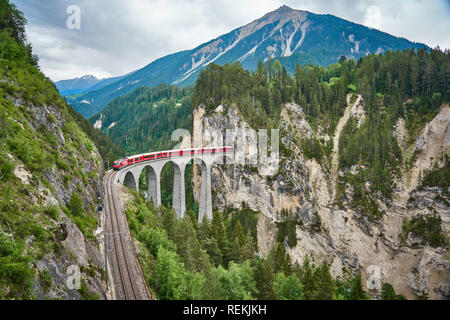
155, 162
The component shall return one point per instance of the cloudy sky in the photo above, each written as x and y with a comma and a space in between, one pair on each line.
119, 36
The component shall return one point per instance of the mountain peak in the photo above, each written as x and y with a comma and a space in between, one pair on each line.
283, 33
284, 8
284, 13
87, 77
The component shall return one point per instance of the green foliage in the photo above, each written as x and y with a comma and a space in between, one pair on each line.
29, 139
45, 280
171, 275
385, 83
279, 260
438, 177
85, 292
108, 150
75, 204
219, 233
6, 167
247, 218
264, 277
316, 281
316, 224
287, 288
235, 283
288, 229
182, 262
155, 239
13, 22
312, 149
388, 293
426, 227
15, 270
146, 118
357, 290
351, 88
324, 283
85, 221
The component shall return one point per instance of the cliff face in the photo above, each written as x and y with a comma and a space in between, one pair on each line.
338, 233
50, 170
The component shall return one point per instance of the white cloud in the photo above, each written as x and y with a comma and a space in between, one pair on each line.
372, 18
119, 36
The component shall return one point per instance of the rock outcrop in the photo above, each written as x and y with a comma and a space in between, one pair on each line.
53, 187
305, 188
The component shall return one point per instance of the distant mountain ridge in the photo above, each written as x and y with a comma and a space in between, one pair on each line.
76, 85
285, 32
83, 84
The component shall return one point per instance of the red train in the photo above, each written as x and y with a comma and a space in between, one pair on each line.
122, 163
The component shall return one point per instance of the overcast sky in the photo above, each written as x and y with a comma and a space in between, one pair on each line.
119, 36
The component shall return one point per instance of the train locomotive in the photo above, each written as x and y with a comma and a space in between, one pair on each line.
125, 162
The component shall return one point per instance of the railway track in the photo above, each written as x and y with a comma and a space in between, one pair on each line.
121, 257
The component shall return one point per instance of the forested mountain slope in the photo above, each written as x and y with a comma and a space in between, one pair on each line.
146, 118
384, 122
49, 174
363, 181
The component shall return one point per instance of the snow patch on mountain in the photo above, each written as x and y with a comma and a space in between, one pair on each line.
98, 123
280, 18
112, 125
351, 38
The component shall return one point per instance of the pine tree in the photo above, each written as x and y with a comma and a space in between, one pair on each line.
168, 222
204, 230
324, 283
238, 234
220, 235
236, 252
188, 246
307, 279
280, 260
248, 249
287, 288
357, 290
388, 293
171, 276
264, 280
212, 249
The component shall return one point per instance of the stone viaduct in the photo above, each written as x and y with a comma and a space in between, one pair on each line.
206, 157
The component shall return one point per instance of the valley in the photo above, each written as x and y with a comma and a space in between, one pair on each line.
114, 188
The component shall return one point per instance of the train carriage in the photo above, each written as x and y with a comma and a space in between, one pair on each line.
121, 163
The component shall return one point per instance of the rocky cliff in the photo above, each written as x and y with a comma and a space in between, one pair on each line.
49, 183
331, 229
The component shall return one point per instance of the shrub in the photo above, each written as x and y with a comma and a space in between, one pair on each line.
52, 212
312, 149
156, 238
86, 294
426, 227
76, 204
6, 167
